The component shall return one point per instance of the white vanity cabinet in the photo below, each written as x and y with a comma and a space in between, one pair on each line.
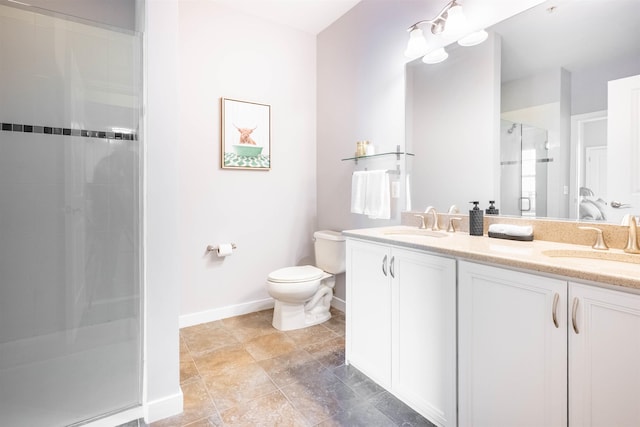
401, 324
512, 348
368, 331
513, 358
604, 357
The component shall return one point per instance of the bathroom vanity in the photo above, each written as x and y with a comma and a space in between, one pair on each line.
478, 331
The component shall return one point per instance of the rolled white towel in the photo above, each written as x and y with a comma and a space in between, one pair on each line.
512, 230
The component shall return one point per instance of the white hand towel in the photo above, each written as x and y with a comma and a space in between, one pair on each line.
358, 190
512, 230
378, 195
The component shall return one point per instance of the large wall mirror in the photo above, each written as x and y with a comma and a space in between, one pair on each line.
527, 118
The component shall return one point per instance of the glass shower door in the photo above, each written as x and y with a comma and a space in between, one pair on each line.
523, 169
70, 255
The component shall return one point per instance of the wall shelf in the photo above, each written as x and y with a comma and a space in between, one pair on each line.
391, 153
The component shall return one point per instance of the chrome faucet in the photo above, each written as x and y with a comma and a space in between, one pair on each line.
632, 242
434, 225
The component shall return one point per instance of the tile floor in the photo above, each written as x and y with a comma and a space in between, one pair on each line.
242, 372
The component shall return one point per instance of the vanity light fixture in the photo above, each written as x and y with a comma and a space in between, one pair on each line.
435, 56
450, 22
473, 38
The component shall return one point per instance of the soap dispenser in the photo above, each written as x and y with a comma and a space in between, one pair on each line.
476, 220
492, 210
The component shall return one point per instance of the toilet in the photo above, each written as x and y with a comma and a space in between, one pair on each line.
303, 294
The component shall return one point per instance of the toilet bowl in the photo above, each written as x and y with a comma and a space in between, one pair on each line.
303, 294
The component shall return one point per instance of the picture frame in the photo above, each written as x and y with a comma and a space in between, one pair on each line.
245, 135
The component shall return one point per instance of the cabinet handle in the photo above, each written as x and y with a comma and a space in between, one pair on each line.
574, 312
393, 260
384, 265
556, 298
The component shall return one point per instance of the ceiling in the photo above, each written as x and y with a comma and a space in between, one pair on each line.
311, 16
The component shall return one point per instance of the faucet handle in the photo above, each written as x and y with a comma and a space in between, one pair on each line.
451, 228
599, 244
632, 241
422, 224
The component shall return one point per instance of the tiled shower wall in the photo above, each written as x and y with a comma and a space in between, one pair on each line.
69, 165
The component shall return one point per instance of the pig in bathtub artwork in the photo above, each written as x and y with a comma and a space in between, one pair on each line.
245, 135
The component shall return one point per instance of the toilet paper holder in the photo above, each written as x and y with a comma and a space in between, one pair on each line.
212, 248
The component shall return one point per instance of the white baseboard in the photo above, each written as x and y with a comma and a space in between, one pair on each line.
163, 408
224, 312
339, 304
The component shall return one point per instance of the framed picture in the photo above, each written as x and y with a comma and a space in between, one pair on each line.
245, 135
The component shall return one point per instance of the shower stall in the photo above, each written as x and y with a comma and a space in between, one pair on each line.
70, 215
524, 161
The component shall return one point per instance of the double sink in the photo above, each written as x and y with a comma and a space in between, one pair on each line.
553, 253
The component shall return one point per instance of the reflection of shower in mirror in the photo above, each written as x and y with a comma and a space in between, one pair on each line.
524, 163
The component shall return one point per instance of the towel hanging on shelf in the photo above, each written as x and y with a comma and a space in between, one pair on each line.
358, 188
371, 194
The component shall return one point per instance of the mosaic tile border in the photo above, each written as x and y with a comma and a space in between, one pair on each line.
49, 130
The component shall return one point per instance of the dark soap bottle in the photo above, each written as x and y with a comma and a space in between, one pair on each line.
476, 220
492, 210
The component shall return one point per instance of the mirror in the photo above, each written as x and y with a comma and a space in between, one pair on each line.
522, 118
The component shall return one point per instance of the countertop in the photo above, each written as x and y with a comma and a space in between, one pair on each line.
515, 254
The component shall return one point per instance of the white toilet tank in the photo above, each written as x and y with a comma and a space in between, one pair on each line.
330, 251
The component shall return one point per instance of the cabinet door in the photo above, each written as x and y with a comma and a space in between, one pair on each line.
369, 310
604, 357
424, 333
512, 356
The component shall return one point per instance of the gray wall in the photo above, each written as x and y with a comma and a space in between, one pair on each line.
455, 128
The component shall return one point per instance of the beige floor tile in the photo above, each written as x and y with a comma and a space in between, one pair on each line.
311, 335
188, 370
207, 336
291, 367
221, 360
269, 346
197, 405
238, 385
336, 323
207, 422
184, 350
330, 353
267, 411
249, 326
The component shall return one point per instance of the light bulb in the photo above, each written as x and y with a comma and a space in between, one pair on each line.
473, 38
417, 45
435, 56
456, 22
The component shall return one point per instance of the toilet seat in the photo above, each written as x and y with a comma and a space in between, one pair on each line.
305, 273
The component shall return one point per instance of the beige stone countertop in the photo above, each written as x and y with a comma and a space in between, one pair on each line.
517, 254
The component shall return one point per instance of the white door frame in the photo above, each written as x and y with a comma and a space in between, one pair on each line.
576, 165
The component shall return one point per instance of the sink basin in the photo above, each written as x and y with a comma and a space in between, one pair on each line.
417, 232
601, 255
